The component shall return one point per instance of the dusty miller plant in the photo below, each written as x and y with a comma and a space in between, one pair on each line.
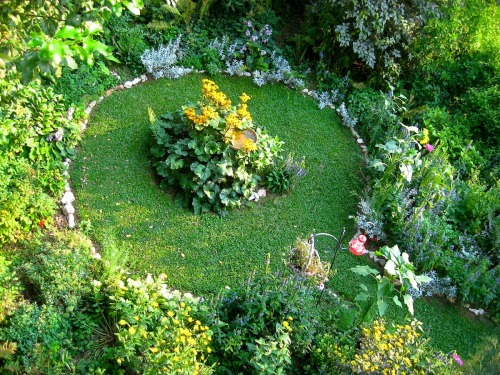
162, 62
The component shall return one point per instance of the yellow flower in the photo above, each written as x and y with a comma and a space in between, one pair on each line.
425, 137
244, 98
154, 350
290, 318
122, 322
209, 350
285, 324
249, 145
136, 318
131, 330
170, 314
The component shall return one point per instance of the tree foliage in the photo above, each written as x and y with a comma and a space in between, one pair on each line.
41, 36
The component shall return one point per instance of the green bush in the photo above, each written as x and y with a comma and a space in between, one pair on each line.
9, 289
24, 206
272, 312
79, 86
195, 152
43, 339
56, 271
142, 326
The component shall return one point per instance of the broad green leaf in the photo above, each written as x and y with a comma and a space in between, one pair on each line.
211, 147
397, 301
67, 32
408, 300
134, 6
364, 270
406, 171
382, 307
362, 296
384, 288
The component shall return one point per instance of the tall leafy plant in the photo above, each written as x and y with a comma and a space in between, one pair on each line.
195, 153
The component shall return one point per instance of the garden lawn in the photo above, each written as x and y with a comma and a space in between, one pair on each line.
117, 189
140, 226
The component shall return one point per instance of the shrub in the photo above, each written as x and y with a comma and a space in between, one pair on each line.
43, 338
9, 289
402, 349
79, 86
283, 174
195, 152
24, 206
144, 327
57, 270
273, 311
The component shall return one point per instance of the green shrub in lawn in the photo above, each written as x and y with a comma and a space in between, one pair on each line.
194, 152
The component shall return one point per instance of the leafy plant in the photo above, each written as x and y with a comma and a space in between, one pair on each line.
283, 174
9, 289
272, 312
194, 152
149, 328
397, 269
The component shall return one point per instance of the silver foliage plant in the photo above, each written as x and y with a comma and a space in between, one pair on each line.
379, 31
347, 118
162, 62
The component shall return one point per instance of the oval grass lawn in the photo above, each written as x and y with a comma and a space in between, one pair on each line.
117, 189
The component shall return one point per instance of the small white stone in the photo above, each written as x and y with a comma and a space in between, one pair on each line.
70, 113
68, 209
96, 256
254, 197
262, 193
68, 197
92, 250
144, 78
92, 104
67, 188
247, 74
305, 91
71, 221
128, 84
136, 81
360, 140
88, 110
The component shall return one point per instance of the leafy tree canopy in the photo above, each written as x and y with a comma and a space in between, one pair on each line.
41, 36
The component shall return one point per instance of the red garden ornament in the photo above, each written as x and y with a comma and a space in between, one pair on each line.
357, 245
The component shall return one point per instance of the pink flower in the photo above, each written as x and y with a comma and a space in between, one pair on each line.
429, 147
457, 358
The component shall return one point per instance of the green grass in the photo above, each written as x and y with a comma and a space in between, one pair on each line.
117, 190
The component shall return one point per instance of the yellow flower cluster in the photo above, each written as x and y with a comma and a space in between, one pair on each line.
425, 137
218, 98
243, 112
233, 122
383, 352
249, 145
207, 113
176, 342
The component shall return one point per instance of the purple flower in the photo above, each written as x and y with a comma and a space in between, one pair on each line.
429, 147
265, 40
263, 52
254, 38
247, 33
269, 32
457, 359
249, 23
321, 286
